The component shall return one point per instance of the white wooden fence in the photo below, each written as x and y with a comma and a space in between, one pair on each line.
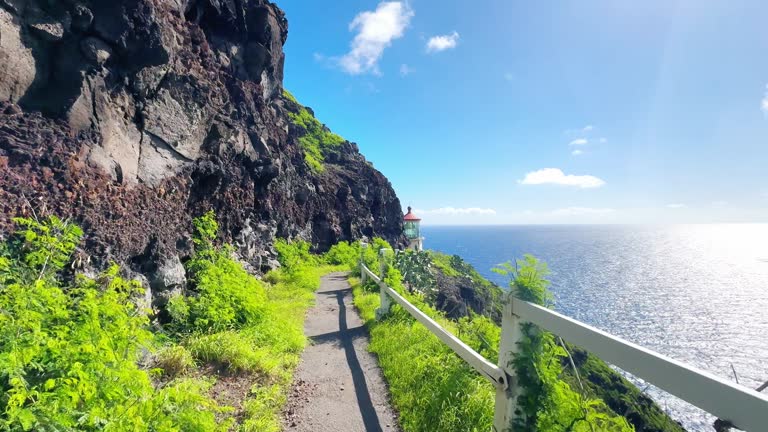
743, 407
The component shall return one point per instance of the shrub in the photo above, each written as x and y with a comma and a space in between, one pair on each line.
416, 270
69, 353
343, 253
294, 256
37, 250
225, 295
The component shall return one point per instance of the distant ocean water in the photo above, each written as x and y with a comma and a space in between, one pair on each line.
696, 293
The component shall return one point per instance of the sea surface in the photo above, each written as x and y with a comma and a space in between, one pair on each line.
696, 293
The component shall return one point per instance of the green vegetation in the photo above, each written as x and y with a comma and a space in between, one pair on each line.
547, 402
78, 353
69, 352
431, 387
235, 323
435, 390
318, 141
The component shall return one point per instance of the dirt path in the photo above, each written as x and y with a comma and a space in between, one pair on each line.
338, 385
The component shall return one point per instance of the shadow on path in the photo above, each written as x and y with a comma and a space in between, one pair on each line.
346, 336
338, 358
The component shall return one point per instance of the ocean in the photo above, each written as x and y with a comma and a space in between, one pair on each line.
696, 293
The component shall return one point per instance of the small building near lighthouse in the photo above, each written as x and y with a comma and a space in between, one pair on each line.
412, 232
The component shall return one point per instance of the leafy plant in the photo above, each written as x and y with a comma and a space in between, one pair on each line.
546, 401
415, 268
294, 256
40, 249
343, 253
225, 295
69, 354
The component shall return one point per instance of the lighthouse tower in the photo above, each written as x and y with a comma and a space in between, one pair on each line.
411, 228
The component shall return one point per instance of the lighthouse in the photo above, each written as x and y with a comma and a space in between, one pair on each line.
411, 230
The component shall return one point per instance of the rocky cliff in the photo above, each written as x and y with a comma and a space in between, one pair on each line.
133, 116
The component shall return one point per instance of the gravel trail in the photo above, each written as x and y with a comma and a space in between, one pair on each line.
338, 385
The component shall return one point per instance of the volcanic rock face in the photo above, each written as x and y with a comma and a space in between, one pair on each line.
133, 116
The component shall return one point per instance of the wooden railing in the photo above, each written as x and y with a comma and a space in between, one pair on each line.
744, 408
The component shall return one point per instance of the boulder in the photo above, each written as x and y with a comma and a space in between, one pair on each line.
95, 50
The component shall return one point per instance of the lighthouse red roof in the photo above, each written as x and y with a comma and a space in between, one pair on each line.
410, 217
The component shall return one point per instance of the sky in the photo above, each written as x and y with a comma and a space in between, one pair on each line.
521, 112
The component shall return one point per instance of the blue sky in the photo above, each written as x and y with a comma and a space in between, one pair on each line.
546, 112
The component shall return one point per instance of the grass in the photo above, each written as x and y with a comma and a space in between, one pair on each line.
174, 360
261, 407
233, 324
431, 387
265, 351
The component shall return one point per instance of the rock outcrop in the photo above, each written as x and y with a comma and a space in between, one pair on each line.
133, 116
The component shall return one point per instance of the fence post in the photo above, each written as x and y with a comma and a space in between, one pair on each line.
506, 396
384, 300
363, 275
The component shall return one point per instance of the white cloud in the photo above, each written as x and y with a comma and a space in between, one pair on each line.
587, 128
557, 177
458, 211
442, 42
676, 206
375, 32
405, 70
582, 211
577, 152
603, 140
579, 141
764, 104
720, 203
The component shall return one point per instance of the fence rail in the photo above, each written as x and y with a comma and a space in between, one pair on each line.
744, 408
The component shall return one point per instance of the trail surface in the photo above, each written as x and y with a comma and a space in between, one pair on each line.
338, 385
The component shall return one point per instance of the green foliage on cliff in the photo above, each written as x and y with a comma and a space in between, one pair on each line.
70, 351
317, 140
